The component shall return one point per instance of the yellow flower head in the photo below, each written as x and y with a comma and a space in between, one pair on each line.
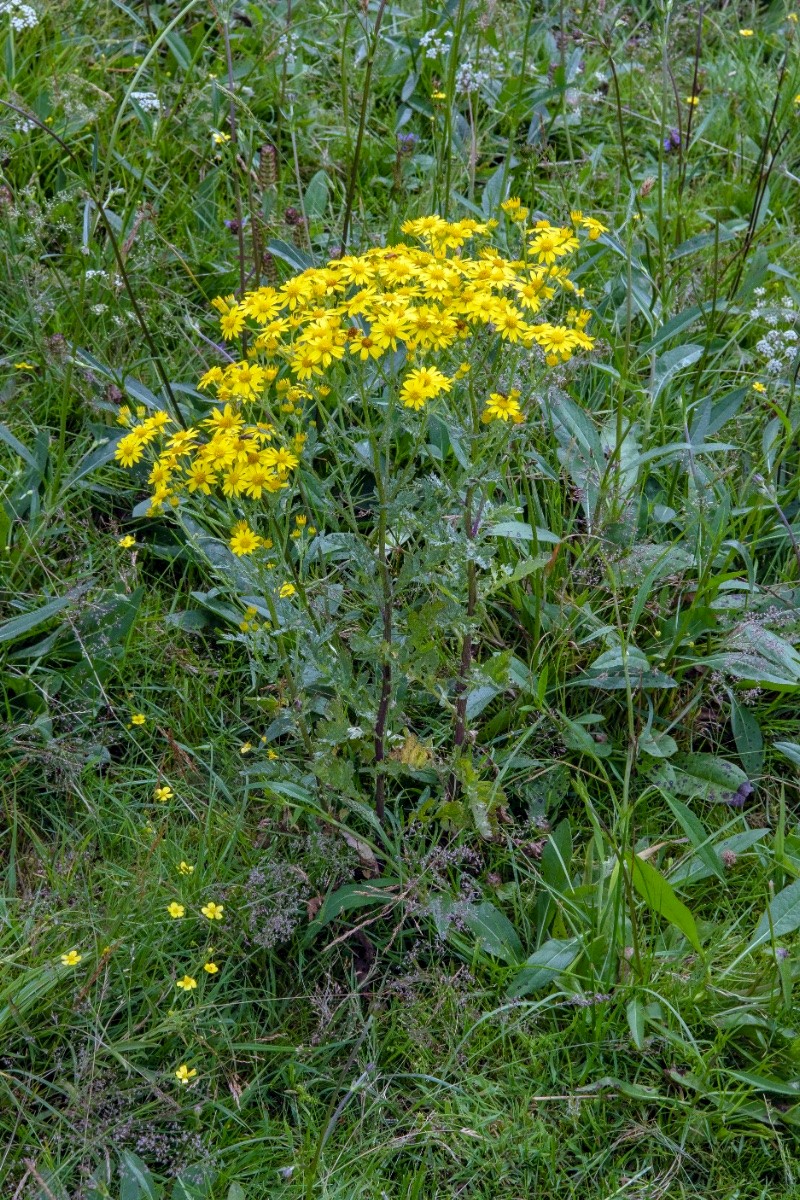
163, 793
127, 542
175, 910
759, 387
244, 540
286, 590
745, 33
183, 1074
71, 959
185, 868
212, 911
138, 719
210, 968
187, 984
503, 408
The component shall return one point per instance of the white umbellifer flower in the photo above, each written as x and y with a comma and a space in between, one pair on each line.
147, 101
21, 15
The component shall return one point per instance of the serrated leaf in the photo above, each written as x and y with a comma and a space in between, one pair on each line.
660, 898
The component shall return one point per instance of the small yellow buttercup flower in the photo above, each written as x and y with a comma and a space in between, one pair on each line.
183, 1074
187, 983
138, 719
210, 968
176, 910
272, 755
286, 590
186, 868
127, 542
212, 911
759, 387
219, 139
693, 101
163, 793
72, 959
24, 366
245, 747
745, 33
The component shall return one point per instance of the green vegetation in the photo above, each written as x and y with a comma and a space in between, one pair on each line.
448, 845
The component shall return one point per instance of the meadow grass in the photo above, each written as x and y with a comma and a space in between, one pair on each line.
562, 964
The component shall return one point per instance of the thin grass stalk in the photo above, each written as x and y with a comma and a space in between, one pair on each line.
237, 191
362, 122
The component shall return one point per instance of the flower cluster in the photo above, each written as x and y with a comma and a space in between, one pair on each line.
21, 15
478, 72
435, 44
395, 311
148, 102
778, 347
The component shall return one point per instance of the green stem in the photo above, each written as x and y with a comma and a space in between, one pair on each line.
362, 122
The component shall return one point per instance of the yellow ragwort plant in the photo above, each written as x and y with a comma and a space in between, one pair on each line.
384, 336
